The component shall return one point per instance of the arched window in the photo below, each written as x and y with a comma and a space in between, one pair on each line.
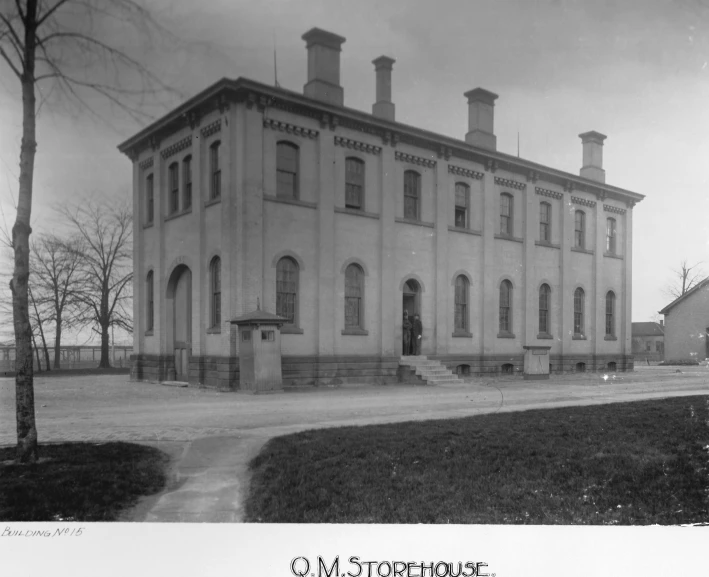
412, 194
462, 202
610, 235
149, 299
579, 306
544, 297
215, 185
505, 306
174, 183
149, 199
354, 183
215, 279
186, 182
506, 213
545, 222
610, 313
287, 290
580, 229
461, 304
354, 293
287, 165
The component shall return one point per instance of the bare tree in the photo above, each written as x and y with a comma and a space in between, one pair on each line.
38, 318
73, 49
106, 267
683, 279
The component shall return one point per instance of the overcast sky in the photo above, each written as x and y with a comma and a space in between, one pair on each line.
635, 70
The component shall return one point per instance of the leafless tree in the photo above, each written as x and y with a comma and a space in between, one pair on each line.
38, 315
105, 260
684, 279
71, 49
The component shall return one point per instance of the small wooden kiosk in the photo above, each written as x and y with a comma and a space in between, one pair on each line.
259, 345
536, 362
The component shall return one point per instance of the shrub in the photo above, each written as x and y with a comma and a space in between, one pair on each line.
678, 362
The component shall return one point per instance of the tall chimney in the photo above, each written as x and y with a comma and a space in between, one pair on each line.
324, 66
593, 156
481, 118
383, 107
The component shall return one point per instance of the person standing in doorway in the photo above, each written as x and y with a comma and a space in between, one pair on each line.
417, 334
406, 329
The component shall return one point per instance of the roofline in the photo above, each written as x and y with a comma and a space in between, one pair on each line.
243, 84
684, 296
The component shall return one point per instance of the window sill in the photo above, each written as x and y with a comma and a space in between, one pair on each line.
462, 335
291, 330
356, 212
610, 338
546, 243
148, 225
545, 336
293, 201
583, 250
214, 330
505, 335
578, 337
612, 255
360, 332
509, 237
212, 201
465, 230
149, 333
414, 222
175, 215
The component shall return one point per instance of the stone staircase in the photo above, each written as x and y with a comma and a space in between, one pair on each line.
428, 372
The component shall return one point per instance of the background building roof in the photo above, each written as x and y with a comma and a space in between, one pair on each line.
648, 330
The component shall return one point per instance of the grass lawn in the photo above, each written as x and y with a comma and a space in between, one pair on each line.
626, 463
79, 481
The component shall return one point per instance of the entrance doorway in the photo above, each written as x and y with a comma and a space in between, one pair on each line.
180, 311
412, 305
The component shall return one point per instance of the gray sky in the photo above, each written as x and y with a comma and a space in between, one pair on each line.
635, 70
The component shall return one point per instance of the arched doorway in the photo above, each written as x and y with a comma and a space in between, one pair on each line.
412, 306
179, 312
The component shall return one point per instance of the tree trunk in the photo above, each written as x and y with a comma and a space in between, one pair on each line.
36, 351
24, 376
57, 343
105, 362
41, 334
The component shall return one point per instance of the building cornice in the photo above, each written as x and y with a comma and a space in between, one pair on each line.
583, 202
356, 145
413, 159
609, 208
509, 183
177, 147
467, 172
211, 128
281, 126
549, 193
147, 163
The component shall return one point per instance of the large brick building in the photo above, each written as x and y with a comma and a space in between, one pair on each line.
340, 220
687, 325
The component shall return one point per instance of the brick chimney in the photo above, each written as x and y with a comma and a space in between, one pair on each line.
383, 107
481, 118
593, 156
324, 66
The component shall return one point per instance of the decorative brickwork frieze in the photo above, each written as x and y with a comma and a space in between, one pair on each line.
617, 210
212, 128
177, 147
356, 145
411, 159
547, 192
274, 124
509, 183
460, 171
147, 163
583, 201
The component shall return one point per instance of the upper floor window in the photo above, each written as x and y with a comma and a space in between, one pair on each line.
354, 291
412, 194
579, 306
544, 297
580, 229
505, 306
610, 313
506, 211
187, 182
461, 304
149, 199
545, 222
462, 201
150, 312
287, 290
287, 165
215, 186
354, 183
610, 235
174, 183
215, 274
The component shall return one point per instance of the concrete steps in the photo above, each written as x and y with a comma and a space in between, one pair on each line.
430, 372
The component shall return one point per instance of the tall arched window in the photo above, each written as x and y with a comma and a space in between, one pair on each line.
354, 183
287, 167
580, 229
149, 199
461, 304
354, 293
186, 182
505, 306
215, 278
174, 183
412, 195
545, 222
506, 214
215, 185
149, 299
579, 306
610, 235
287, 290
462, 202
610, 314
544, 298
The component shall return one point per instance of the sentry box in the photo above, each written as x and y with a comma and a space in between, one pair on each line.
536, 362
259, 346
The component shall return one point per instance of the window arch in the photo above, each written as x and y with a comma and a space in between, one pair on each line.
354, 297
545, 222
412, 195
354, 183
460, 312
506, 214
215, 282
579, 306
215, 185
174, 184
580, 229
287, 274
187, 182
150, 301
462, 205
610, 235
544, 301
287, 168
610, 314
505, 306
150, 198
